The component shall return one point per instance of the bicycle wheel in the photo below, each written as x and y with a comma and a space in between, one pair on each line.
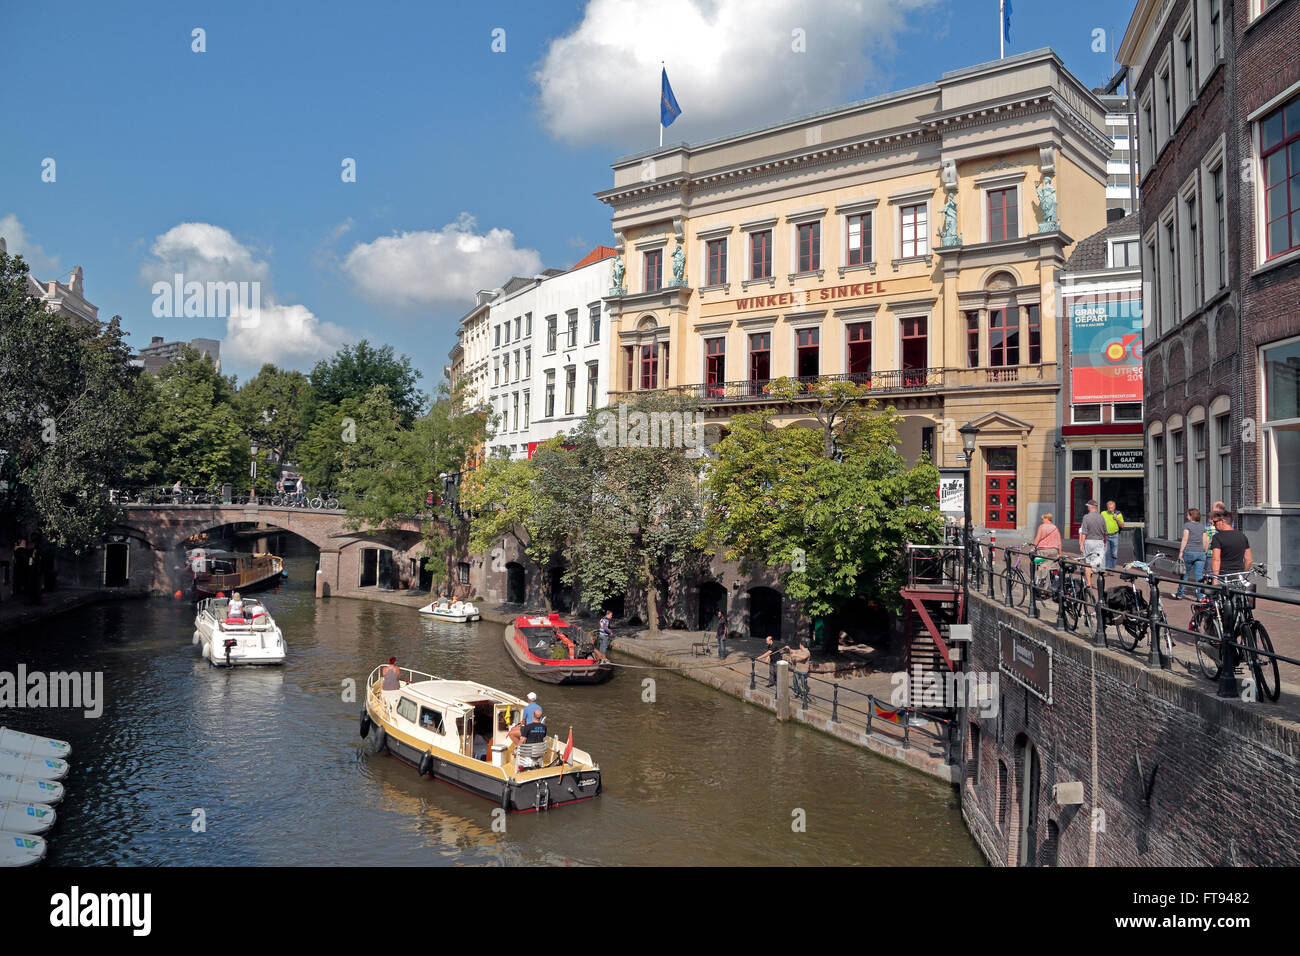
1209, 644
1017, 588
331, 504
316, 504
1264, 665
1129, 628
1070, 603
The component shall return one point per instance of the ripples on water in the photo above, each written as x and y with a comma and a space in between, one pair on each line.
274, 759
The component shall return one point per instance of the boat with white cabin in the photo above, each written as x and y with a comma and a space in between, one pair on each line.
457, 611
460, 732
237, 637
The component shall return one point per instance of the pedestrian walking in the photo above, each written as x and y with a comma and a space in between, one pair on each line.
1114, 525
1191, 551
1092, 541
722, 636
1229, 549
800, 657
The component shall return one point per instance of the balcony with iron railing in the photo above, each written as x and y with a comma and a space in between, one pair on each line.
884, 382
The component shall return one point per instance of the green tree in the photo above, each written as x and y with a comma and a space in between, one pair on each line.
272, 408
191, 432
833, 527
355, 371
386, 472
66, 405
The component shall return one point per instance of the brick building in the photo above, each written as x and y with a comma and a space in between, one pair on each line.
1218, 91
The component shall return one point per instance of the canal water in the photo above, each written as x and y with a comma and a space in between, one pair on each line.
273, 760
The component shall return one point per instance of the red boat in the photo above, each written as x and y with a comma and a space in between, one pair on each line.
554, 651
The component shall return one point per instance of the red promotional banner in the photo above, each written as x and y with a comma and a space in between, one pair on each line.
1115, 384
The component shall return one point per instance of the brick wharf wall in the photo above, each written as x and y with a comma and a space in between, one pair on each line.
1224, 777
1267, 67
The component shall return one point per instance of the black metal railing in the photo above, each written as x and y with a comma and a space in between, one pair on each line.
164, 496
1128, 601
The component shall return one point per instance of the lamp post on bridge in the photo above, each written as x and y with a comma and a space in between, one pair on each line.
252, 473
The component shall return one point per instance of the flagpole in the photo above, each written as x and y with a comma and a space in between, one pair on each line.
662, 67
1002, 29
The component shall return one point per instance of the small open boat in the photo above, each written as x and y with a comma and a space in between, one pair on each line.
458, 612
32, 766
13, 787
20, 849
554, 651
459, 732
17, 816
250, 637
22, 743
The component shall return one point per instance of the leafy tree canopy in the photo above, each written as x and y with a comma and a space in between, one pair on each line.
354, 371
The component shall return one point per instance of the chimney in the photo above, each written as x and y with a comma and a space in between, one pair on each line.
156, 340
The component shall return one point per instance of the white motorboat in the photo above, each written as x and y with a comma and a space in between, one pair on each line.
32, 766
249, 637
17, 816
13, 787
457, 612
22, 743
20, 849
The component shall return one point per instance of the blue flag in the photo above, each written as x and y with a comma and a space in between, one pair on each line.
1006, 21
668, 108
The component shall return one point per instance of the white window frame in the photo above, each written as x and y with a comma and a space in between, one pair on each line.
1135, 239
846, 211
1190, 289
1214, 161
1163, 114
1270, 428
1261, 257
992, 183
804, 218
1184, 93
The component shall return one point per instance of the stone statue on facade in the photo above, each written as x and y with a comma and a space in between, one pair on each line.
679, 266
1047, 222
619, 269
948, 236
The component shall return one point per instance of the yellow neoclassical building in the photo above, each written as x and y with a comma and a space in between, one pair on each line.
910, 242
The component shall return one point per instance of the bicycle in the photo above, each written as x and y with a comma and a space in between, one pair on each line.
1135, 623
1075, 598
1245, 631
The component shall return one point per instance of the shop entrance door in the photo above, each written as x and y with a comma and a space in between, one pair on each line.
1080, 493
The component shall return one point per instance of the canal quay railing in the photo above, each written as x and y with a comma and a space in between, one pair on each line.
847, 704
1128, 601
164, 496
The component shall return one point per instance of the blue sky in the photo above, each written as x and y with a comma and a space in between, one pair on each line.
471, 164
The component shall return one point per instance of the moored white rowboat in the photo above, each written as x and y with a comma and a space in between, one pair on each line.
22, 743
20, 849
19, 817
457, 612
32, 767
30, 791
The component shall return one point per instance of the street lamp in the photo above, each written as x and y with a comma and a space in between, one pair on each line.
968, 434
252, 473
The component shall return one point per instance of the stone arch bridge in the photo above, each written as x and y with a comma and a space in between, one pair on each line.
155, 535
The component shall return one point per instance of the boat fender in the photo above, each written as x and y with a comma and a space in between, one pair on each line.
505, 797
426, 764
381, 738
365, 724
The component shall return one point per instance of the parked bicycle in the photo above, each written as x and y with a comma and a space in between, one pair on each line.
1232, 612
1128, 608
1076, 597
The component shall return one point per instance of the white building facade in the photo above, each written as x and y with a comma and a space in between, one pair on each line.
548, 353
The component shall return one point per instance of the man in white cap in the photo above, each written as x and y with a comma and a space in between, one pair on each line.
532, 709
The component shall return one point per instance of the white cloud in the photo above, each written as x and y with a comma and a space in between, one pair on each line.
288, 335
732, 65
291, 336
40, 263
203, 252
437, 268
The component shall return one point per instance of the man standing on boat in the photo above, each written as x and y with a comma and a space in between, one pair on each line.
533, 710
605, 623
722, 636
